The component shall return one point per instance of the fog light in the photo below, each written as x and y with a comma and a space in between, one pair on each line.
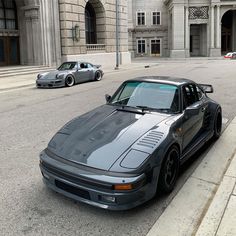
108, 199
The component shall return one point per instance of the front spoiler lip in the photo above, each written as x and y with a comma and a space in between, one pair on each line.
113, 206
49, 83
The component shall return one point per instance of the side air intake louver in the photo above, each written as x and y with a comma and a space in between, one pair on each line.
151, 139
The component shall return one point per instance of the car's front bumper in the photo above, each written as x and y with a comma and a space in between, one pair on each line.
41, 83
92, 188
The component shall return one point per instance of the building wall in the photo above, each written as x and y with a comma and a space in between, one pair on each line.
39, 32
46, 30
148, 31
188, 28
46, 37
72, 13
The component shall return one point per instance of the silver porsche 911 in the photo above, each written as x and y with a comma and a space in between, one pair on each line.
68, 74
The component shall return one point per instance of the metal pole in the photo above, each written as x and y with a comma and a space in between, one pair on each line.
117, 36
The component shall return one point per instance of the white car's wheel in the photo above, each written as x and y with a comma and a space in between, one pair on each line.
70, 81
98, 76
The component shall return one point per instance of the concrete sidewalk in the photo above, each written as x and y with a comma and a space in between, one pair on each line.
206, 204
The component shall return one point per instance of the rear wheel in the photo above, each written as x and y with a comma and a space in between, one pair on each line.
217, 123
98, 76
169, 170
70, 81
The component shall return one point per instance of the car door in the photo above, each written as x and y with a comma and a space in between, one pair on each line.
91, 75
83, 72
192, 121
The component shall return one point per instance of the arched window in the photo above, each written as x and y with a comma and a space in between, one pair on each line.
8, 16
90, 24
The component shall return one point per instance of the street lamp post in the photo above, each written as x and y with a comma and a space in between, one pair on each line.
117, 36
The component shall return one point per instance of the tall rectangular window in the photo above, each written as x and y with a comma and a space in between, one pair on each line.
156, 18
141, 18
8, 14
141, 46
155, 46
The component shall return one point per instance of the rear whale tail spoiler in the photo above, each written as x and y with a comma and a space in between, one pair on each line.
207, 88
98, 66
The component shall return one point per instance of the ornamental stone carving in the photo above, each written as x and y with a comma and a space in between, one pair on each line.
198, 13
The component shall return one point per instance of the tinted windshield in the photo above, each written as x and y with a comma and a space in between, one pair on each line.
147, 95
68, 66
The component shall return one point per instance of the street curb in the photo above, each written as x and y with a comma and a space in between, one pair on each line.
185, 213
211, 221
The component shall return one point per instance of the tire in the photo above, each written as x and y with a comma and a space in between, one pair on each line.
98, 76
169, 170
70, 81
217, 123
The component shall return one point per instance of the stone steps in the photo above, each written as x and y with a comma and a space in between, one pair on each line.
22, 70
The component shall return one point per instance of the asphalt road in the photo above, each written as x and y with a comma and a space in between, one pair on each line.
28, 119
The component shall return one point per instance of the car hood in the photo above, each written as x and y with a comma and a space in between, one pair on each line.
98, 138
51, 74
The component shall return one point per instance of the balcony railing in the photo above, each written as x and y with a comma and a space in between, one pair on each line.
96, 47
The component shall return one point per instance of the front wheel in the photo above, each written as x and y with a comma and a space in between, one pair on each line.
169, 170
70, 81
217, 123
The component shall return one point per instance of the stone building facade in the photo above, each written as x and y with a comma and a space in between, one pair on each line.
47, 32
182, 28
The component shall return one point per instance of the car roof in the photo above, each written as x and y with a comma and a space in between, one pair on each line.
163, 79
77, 62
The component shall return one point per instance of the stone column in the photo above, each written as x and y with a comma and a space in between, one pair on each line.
187, 32
50, 30
234, 32
178, 31
169, 31
215, 47
212, 27
218, 27
34, 46
130, 14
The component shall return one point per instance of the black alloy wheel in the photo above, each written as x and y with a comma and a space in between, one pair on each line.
217, 123
98, 75
70, 81
169, 170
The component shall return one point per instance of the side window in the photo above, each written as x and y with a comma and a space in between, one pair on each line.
194, 92
200, 93
190, 95
83, 65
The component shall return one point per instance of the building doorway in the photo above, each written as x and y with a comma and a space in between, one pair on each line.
228, 32
155, 47
9, 51
198, 40
9, 39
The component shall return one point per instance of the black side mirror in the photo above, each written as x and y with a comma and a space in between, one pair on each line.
108, 97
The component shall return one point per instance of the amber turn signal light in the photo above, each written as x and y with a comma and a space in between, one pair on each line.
123, 187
